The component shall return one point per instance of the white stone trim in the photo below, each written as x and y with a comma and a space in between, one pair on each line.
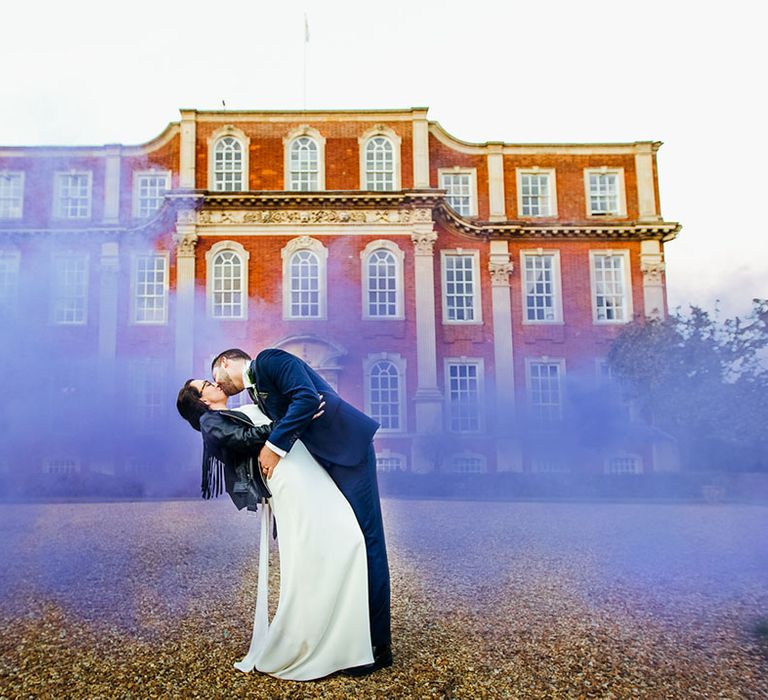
213, 139
477, 297
497, 200
57, 212
135, 255
293, 246
392, 247
381, 130
627, 286
481, 408
646, 193
622, 195
210, 255
14, 256
535, 170
458, 170
557, 286
137, 174
420, 150
401, 365
8, 173
318, 138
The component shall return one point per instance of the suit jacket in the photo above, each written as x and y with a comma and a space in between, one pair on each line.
288, 392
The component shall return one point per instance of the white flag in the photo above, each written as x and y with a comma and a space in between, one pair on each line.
306, 29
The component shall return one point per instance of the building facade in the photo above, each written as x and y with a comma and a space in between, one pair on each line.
450, 289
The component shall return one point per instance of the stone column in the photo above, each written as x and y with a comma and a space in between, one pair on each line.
187, 149
508, 456
186, 240
646, 194
112, 185
652, 265
428, 400
420, 150
498, 209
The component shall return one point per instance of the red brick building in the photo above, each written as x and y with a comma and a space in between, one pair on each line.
448, 288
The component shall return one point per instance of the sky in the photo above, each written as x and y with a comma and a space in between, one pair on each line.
691, 75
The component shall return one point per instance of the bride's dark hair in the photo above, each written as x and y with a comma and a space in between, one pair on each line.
190, 404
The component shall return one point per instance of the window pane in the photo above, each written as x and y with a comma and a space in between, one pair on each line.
385, 395
459, 287
227, 283
228, 173
464, 397
150, 289
379, 164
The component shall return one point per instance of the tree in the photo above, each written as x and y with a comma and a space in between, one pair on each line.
703, 381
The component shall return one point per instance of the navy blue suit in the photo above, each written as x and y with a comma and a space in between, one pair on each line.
287, 390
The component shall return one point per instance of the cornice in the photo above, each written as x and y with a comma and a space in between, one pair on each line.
327, 198
662, 230
162, 139
447, 139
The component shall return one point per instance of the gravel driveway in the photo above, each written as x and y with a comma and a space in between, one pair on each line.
517, 600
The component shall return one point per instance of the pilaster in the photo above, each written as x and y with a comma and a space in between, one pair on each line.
420, 150
187, 149
186, 241
109, 269
112, 185
646, 194
652, 267
508, 449
428, 400
498, 209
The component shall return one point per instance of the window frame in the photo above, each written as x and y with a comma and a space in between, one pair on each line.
13, 299
621, 192
560, 361
12, 173
210, 257
557, 289
401, 365
370, 249
86, 258
479, 362
458, 170
165, 256
467, 454
552, 181
245, 142
137, 175
386, 453
477, 303
296, 245
288, 141
627, 286
624, 455
57, 202
395, 141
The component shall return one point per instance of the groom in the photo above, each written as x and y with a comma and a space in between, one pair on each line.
287, 390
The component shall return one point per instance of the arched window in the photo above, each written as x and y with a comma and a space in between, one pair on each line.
228, 171
382, 274
304, 170
385, 395
227, 285
305, 284
379, 164
385, 390
382, 284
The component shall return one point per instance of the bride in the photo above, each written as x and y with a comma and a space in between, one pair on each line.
322, 623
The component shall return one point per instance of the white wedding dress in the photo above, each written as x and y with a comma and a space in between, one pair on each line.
321, 624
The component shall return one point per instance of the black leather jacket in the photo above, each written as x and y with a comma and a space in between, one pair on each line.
231, 445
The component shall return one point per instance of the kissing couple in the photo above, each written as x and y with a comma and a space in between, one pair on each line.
317, 475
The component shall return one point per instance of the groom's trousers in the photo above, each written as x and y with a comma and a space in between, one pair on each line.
361, 489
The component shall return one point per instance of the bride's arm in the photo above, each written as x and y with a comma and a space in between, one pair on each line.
234, 435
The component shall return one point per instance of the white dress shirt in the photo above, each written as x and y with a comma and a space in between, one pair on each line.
247, 384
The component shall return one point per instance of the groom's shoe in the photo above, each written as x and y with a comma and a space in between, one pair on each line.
382, 658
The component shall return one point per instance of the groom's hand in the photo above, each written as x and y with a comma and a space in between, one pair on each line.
268, 460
